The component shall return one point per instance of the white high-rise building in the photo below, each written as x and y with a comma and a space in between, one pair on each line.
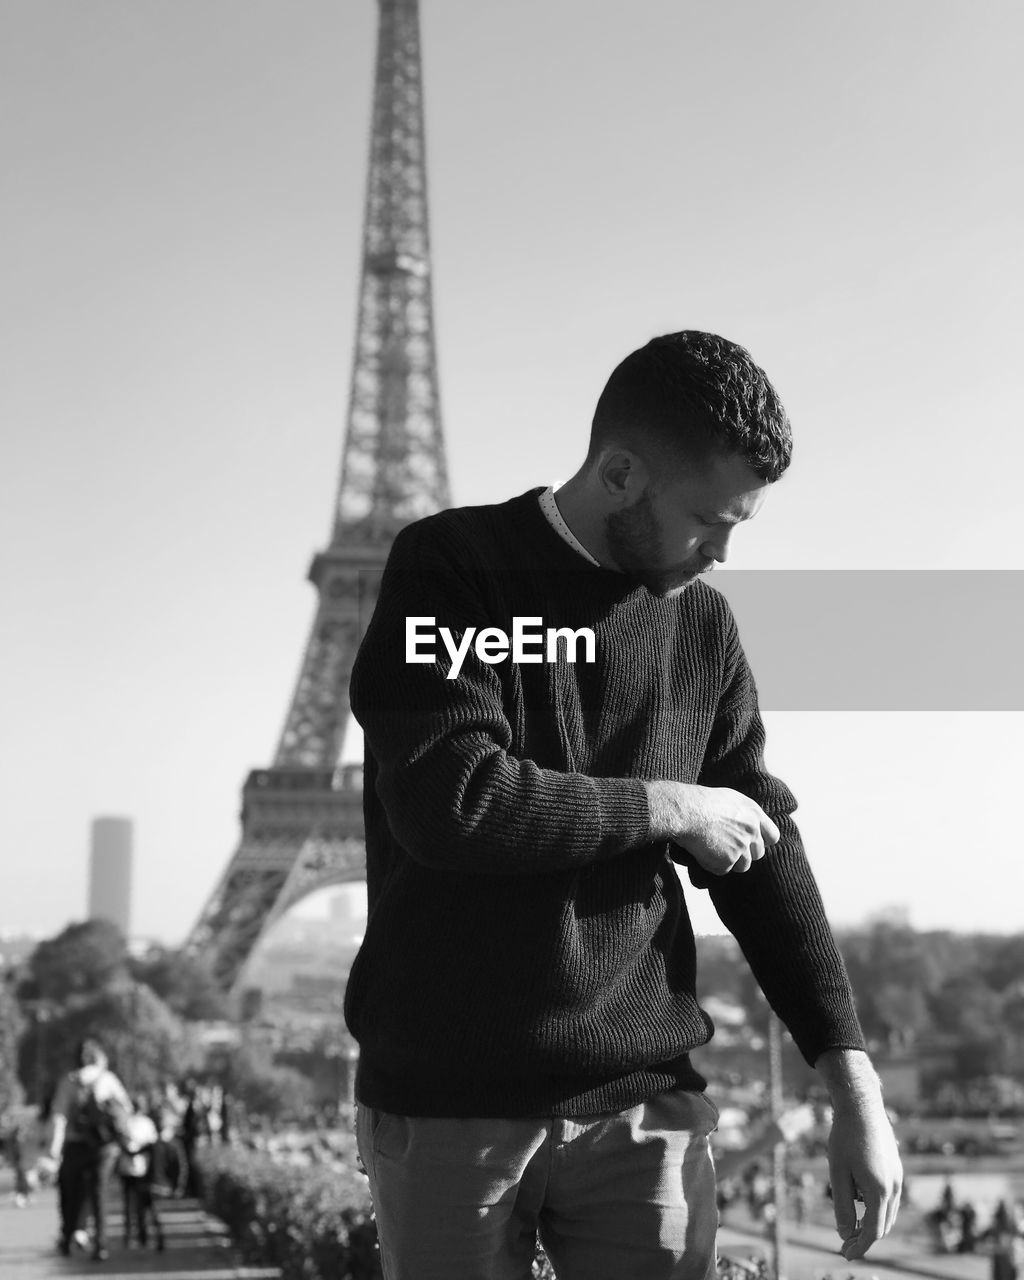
110, 872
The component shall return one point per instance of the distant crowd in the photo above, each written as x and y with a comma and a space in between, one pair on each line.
956, 1228
92, 1131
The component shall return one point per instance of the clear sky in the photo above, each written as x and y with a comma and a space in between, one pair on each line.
838, 187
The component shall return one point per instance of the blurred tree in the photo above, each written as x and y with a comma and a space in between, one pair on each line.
974, 1057
1011, 1030
901, 1014
1002, 961
10, 1031
1013, 1007
959, 995
720, 965
966, 1008
79, 962
886, 963
184, 984
265, 1089
143, 1039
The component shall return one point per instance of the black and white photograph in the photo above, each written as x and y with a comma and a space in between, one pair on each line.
513, 715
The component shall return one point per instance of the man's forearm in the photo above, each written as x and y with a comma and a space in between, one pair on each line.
863, 1155
849, 1077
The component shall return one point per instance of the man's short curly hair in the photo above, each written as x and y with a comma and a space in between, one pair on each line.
694, 395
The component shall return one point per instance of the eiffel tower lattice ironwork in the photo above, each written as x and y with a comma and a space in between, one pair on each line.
302, 822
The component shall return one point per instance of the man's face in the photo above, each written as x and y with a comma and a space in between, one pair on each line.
672, 532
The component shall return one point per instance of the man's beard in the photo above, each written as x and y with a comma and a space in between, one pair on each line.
634, 542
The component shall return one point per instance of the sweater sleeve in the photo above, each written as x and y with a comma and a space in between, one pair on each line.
455, 796
774, 910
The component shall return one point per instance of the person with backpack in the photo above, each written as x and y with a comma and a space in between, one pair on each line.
90, 1112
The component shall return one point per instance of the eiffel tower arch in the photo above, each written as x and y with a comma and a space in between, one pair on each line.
302, 820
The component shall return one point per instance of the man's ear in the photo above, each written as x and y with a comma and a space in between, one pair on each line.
623, 475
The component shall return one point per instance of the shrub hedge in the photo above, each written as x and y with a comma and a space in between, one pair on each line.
315, 1222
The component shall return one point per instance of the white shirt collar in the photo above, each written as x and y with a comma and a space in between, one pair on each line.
550, 508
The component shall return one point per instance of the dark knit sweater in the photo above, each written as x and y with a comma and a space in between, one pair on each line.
528, 950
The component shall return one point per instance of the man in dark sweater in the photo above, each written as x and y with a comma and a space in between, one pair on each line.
558, 712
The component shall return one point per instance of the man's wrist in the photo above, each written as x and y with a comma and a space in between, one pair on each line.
658, 810
669, 809
849, 1077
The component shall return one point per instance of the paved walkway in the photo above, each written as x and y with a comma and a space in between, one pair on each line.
197, 1245
813, 1253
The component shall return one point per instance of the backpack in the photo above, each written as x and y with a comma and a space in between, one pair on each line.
95, 1123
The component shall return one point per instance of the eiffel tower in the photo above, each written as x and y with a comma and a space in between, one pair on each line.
302, 822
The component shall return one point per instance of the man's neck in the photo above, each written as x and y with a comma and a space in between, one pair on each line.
587, 525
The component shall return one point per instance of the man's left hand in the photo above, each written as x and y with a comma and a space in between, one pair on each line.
863, 1157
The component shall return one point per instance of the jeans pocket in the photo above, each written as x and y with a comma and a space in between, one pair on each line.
366, 1124
377, 1125
716, 1114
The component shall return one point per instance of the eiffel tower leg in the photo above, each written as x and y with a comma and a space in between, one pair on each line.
302, 831
323, 861
242, 907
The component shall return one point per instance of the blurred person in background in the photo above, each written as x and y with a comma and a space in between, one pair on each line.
135, 1166
89, 1116
170, 1163
194, 1131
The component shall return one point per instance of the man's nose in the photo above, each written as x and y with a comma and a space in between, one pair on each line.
716, 545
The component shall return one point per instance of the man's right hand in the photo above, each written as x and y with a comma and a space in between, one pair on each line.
723, 829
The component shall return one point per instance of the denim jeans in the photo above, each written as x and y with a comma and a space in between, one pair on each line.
620, 1196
